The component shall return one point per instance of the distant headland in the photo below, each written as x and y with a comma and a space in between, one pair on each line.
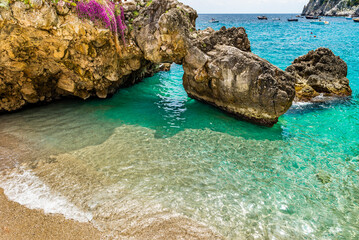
332, 8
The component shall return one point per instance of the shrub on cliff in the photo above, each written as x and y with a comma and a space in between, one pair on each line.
104, 13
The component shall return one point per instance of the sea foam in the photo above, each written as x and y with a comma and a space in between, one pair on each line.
24, 187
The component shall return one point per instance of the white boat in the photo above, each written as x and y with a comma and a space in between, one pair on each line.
349, 18
320, 22
213, 21
276, 19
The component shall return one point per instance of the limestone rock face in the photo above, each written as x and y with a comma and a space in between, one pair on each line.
47, 52
46, 56
39, 16
162, 30
240, 83
235, 37
320, 72
330, 8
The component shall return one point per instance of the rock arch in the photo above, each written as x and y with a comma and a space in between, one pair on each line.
49, 53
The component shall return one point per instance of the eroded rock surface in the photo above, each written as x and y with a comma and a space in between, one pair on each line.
46, 55
331, 8
207, 39
320, 72
221, 70
240, 83
163, 30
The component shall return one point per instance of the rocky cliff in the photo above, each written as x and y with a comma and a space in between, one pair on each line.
47, 52
332, 8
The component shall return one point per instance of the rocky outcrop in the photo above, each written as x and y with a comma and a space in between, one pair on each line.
320, 72
47, 53
332, 8
221, 70
248, 87
237, 81
163, 30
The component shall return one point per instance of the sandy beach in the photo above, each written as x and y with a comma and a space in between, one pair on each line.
19, 222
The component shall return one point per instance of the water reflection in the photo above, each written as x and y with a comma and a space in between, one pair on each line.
171, 105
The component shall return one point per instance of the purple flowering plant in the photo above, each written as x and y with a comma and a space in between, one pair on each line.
105, 13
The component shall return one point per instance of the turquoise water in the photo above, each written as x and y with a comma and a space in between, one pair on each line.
152, 148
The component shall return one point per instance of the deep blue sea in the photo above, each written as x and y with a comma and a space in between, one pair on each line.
151, 152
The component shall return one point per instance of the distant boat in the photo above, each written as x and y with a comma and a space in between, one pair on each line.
262, 18
276, 19
349, 18
213, 21
292, 20
299, 16
320, 22
356, 19
311, 17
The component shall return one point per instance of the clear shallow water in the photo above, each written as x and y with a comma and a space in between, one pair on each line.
150, 153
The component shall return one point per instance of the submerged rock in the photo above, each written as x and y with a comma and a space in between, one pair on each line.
320, 72
323, 177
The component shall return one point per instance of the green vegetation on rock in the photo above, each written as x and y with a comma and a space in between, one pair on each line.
4, 3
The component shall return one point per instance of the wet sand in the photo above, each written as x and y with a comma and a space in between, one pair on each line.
19, 222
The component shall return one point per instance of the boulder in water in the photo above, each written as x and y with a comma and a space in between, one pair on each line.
320, 72
239, 82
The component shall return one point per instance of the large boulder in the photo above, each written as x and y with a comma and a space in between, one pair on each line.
220, 69
162, 30
320, 72
239, 83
